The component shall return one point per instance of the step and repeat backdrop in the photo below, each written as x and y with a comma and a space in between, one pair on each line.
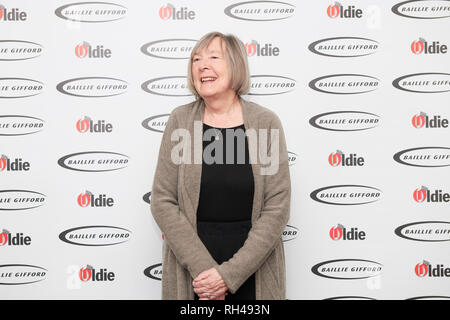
362, 89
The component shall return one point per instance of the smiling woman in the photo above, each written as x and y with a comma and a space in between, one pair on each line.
222, 220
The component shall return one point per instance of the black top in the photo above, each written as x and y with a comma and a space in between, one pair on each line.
226, 192
226, 198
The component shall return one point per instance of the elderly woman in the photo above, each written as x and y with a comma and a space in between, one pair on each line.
223, 213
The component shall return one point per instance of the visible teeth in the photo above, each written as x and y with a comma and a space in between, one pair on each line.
208, 79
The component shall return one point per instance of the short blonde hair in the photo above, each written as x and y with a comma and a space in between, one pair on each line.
236, 57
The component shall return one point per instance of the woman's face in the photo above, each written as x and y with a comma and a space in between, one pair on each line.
210, 70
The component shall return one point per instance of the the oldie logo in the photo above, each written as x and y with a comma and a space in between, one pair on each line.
146, 197
339, 11
427, 231
14, 50
344, 47
292, 158
169, 48
350, 194
95, 236
423, 120
19, 87
264, 85
17, 125
156, 123
169, 12
13, 164
88, 199
345, 84
340, 159
255, 49
339, 232
94, 161
89, 273
345, 121
154, 272
12, 14
172, 86
428, 82
425, 269
422, 46
289, 233
20, 199
260, 10
86, 50
93, 87
431, 157
17, 274
426, 195
86, 124
346, 269
17, 239
418, 9
91, 11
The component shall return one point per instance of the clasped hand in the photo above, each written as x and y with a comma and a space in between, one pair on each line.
209, 285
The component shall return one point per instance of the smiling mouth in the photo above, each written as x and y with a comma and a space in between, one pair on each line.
206, 79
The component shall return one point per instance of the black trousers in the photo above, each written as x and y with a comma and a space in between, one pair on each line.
223, 240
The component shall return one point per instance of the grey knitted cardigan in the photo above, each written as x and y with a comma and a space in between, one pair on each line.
174, 201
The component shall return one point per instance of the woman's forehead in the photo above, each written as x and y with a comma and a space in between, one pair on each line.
213, 46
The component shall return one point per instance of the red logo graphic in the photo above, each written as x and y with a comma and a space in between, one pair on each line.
335, 158
83, 124
1, 12
336, 232
421, 269
420, 195
333, 11
417, 47
82, 50
84, 199
251, 48
3, 162
165, 12
418, 121
86, 273
4, 237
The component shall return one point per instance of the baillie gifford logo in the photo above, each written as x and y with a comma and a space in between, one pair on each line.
254, 49
13, 14
17, 164
339, 232
338, 11
88, 199
425, 269
89, 273
339, 159
85, 50
86, 124
425, 195
18, 239
169, 12
422, 120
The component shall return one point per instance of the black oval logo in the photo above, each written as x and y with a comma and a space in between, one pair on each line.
427, 157
95, 236
345, 121
344, 47
427, 231
419, 9
154, 272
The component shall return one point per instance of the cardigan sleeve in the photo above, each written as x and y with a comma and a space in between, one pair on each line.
266, 231
179, 233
